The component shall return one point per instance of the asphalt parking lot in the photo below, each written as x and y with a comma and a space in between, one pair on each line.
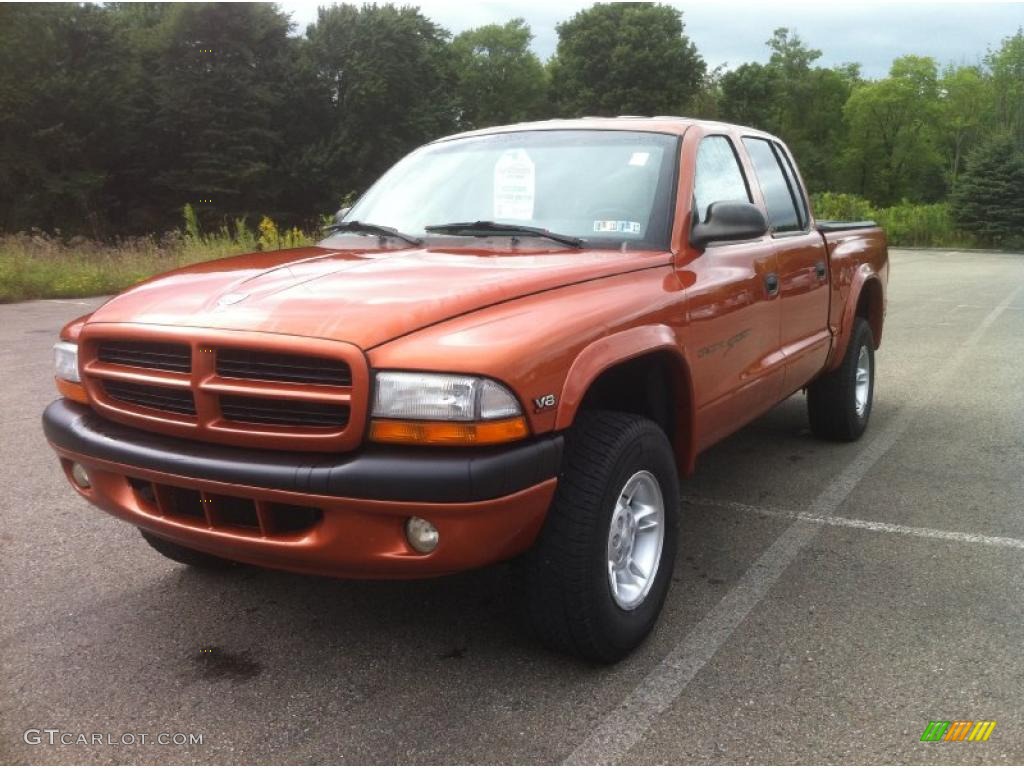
829, 600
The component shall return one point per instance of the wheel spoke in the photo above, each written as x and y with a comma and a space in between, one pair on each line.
646, 518
627, 496
634, 569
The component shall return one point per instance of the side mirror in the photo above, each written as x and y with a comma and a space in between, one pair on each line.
728, 220
341, 214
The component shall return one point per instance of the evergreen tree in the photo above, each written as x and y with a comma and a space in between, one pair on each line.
989, 199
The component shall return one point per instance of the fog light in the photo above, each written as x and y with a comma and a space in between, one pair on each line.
81, 476
422, 534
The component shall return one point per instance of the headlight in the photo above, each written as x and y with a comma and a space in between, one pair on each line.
65, 358
444, 408
441, 397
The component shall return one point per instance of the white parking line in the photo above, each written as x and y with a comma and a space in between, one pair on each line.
866, 525
628, 723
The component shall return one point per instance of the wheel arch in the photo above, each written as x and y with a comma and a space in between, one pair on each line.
871, 306
640, 370
866, 299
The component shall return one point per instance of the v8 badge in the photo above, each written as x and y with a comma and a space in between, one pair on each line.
544, 402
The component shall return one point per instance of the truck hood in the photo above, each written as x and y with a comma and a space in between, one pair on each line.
365, 297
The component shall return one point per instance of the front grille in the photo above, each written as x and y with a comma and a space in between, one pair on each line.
273, 366
146, 354
152, 396
260, 410
234, 513
247, 389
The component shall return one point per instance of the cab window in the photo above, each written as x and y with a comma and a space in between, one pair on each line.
718, 175
778, 196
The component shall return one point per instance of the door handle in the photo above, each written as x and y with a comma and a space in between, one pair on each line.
771, 283
819, 269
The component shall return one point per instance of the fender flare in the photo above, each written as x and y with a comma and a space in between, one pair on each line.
623, 346
862, 277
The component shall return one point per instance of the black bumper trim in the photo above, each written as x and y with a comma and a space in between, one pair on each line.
441, 475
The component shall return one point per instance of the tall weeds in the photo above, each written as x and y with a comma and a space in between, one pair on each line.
37, 266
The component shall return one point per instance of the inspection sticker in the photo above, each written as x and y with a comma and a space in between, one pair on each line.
630, 227
514, 185
639, 158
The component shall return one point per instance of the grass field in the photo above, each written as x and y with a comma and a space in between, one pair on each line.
36, 266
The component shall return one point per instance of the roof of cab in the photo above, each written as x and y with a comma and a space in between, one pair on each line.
669, 124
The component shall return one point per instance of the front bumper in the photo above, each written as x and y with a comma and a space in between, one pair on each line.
488, 504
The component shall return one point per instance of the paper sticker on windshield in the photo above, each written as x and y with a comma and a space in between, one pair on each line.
514, 186
616, 227
639, 158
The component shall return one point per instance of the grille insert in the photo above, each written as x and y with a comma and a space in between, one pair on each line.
259, 410
273, 366
291, 518
235, 513
151, 396
184, 502
146, 354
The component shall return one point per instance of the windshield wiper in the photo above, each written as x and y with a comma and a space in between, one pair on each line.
485, 228
371, 229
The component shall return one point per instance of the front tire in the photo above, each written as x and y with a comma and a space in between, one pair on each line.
596, 580
839, 403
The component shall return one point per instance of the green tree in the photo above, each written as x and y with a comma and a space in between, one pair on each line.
891, 146
498, 78
775, 97
750, 96
218, 75
988, 199
966, 99
63, 90
387, 81
625, 58
1007, 68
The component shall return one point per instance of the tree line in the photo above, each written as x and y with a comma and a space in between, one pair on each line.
114, 116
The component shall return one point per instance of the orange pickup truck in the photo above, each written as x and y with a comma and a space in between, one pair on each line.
510, 348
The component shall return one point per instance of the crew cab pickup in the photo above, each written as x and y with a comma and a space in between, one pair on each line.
509, 349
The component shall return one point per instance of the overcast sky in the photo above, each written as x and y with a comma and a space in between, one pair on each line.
732, 33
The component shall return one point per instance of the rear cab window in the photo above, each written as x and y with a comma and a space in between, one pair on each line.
787, 211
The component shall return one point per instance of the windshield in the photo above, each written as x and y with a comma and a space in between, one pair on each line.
608, 188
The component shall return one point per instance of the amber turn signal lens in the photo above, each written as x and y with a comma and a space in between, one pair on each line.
448, 432
72, 391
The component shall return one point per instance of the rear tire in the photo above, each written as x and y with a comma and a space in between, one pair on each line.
184, 555
839, 403
595, 581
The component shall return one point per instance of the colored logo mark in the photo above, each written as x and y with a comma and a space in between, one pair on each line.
958, 730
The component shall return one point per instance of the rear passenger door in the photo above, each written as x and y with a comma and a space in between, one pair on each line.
732, 310
802, 262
